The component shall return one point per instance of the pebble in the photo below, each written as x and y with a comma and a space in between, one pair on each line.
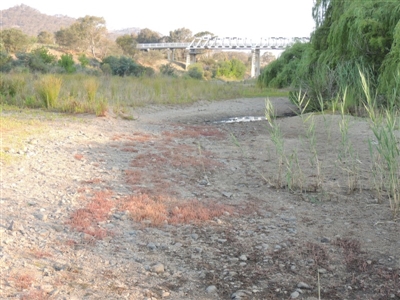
294, 295
151, 246
157, 268
303, 285
211, 289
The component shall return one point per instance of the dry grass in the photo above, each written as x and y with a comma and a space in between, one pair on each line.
35, 294
96, 210
195, 132
160, 210
134, 137
22, 280
40, 253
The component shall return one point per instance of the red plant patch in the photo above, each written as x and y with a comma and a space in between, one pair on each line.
159, 210
40, 253
92, 181
143, 207
134, 176
86, 219
137, 137
195, 132
35, 294
195, 211
22, 280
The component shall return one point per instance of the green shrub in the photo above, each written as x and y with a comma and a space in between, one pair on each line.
83, 60
233, 68
124, 66
167, 70
5, 61
67, 62
196, 71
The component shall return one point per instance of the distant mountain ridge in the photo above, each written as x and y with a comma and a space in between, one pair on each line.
31, 21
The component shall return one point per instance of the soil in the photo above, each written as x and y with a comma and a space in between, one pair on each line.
178, 205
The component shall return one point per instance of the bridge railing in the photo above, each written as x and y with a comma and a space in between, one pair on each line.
162, 45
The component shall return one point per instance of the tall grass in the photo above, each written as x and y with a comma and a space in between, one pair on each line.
48, 88
79, 92
385, 166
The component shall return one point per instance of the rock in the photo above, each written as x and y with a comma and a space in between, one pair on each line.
241, 294
165, 294
57, 228
195, 236
322, 271
294, 295
211, 289
243, 257
325, 240
151, 246
16, 226
41, 216
227, 195
157, 268
303, 285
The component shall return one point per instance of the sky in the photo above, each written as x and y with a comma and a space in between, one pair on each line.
251, 18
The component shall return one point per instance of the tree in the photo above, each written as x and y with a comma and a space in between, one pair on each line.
350, 36
180, 35
233, 68
45, 37
14, 40
148, 36
67, 37
203, 33
267, 58
127, 43
85, 34
91, 31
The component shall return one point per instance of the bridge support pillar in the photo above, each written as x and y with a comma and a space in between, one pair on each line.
190, 58
255, 63
171, 54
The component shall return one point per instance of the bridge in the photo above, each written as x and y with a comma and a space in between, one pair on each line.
198, 45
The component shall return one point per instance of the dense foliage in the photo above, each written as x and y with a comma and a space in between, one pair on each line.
350, 36
125, 66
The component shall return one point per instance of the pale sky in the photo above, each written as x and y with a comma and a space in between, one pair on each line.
251, 18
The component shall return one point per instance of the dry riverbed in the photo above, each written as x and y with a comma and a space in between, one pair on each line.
178, 205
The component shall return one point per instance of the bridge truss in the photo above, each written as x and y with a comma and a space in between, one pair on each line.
228, 43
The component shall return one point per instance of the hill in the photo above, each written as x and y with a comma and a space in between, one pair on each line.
116, 33
32, 21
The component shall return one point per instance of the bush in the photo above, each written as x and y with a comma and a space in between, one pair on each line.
167, 70
125, 66
39, 60
67, 62
5, 61
83, 60
196, 71
233, 68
